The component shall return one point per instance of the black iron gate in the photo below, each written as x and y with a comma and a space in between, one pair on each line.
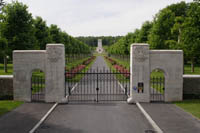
157, 90
97, 86
37, 88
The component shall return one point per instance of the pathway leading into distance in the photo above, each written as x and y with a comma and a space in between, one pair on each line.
110, 89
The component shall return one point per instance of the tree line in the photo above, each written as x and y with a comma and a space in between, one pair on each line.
92, 40
175, 27
20, 31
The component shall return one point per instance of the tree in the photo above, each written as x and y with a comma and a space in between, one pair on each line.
3, 41
3, 52
190, 35
2, 3
42, 33
55, 34
161, 30
142, 37
18, 27
166, 30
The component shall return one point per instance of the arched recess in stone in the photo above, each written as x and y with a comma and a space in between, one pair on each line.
157, 85
37, 82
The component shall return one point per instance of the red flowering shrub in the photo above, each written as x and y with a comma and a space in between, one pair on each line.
122, 70
74, 70
119, 68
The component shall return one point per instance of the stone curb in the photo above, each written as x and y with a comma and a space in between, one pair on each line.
43, 118
148, 117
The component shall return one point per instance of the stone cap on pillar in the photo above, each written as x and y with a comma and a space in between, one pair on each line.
57, 44
139, 44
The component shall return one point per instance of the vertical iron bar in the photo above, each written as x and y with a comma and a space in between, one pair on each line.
97, 86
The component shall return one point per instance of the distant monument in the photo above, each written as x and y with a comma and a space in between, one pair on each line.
99, 47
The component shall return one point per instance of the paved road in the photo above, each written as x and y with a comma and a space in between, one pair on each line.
23, 118
109, 87
95, 118
172, 119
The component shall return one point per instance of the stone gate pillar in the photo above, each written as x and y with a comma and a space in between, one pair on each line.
51, 61
140, 74
55, 69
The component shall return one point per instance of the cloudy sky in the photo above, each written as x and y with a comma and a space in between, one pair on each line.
96, 17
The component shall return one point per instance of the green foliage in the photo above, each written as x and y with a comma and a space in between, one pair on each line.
161, 32
190, 36
42, 33
144, 32
72, 45
2, 3
92, 41
20, 31
9, 69
175, 27
3, 48
17, 27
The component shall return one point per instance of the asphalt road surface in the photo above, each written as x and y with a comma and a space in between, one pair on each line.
95, 118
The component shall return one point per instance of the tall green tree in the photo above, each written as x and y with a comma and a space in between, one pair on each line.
161, 30
55, 33
190, 36
42, 33
142, 37
3, 41
18, 27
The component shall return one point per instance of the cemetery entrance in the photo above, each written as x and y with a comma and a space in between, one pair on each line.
97, 84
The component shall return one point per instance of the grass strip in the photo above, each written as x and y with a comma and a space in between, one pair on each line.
120, 77
8, 105
192, 106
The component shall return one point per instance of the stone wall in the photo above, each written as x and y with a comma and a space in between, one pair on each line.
171, 63
6, 87
191, 86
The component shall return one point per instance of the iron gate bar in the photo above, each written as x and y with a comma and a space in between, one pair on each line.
37, 88
102, 83
157, 89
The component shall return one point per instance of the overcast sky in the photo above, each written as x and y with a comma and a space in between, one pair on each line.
96, 17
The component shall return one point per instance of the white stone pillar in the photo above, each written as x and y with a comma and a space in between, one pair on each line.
24, 62
140, 74
55, 69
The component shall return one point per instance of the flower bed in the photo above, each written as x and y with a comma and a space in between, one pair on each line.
122, 70
86, 62
118, 67
72, 73
113, 62
75, 70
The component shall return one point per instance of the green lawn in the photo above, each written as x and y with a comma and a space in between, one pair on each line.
125, 63
9, 67
191, 106
75, 63
8, 105
187, 69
